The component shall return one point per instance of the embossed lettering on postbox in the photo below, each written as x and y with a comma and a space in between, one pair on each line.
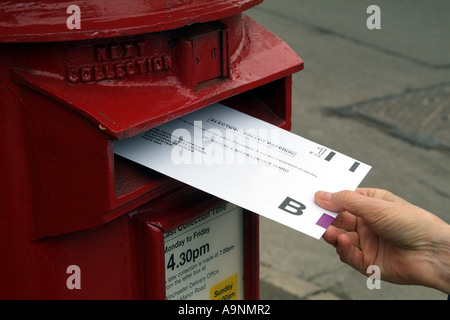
116, 60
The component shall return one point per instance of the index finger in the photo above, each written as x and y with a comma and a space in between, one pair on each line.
380, 194
360, 204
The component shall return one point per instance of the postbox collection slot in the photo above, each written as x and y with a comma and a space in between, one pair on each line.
267, 102
129, 176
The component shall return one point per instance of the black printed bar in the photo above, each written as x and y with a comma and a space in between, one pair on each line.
330, 156
354, 166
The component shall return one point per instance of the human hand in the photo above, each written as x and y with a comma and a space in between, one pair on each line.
376, 227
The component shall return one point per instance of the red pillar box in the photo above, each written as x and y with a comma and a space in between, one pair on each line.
75, 77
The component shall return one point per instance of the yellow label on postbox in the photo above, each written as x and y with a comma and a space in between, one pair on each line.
225, 290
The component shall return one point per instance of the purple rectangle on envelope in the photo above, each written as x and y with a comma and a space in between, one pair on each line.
325, 220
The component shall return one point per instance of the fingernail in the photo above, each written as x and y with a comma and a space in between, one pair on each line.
323, 195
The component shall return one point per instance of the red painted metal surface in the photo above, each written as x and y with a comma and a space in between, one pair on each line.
67, 95
45, 20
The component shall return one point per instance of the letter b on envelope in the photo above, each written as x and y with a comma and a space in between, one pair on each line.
292, 206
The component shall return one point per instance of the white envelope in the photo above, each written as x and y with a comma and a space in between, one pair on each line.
248, 162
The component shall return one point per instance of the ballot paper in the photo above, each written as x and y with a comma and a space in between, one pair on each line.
248, 162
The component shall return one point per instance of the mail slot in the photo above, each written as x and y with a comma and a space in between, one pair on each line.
80, 222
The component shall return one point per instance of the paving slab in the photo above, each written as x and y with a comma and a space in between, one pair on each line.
420, 116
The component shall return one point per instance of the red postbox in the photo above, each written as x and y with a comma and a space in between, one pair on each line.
79, 222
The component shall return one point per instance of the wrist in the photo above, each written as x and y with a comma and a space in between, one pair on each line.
440, 278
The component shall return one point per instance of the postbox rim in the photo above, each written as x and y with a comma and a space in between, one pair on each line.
46, 21
121, 108
121, 127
